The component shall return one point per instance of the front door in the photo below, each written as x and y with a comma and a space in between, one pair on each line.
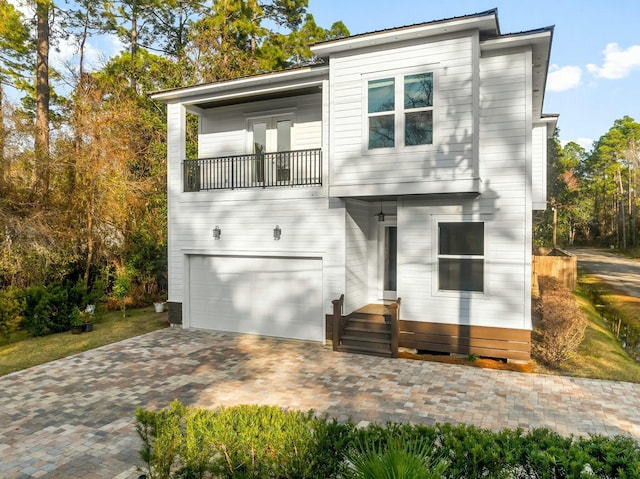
388, 262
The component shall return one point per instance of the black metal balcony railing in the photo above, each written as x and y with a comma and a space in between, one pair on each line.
262, 170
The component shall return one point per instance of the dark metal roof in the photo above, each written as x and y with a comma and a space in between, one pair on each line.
493, 11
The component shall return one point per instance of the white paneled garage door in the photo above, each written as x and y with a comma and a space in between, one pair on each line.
259, 295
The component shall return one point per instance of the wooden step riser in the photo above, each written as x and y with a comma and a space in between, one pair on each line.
366, 345
367, 325
361, 350
374, 318
365, 334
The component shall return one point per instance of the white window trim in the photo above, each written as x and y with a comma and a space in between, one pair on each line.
399, 111
435, 286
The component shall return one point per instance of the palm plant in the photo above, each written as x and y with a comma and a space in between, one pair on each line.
395, 458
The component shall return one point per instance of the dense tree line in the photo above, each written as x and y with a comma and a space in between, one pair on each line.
594, 193
82, 153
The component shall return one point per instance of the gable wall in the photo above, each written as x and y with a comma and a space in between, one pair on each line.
450, 58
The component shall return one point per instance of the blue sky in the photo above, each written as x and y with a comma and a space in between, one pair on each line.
594, 74
595, 57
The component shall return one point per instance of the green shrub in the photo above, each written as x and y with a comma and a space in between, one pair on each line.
240, 442
396, 457
562, 324
11, 310
49, 310
268, 442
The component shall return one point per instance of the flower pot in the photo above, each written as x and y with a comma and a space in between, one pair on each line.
87, 327
76, 329
159, 307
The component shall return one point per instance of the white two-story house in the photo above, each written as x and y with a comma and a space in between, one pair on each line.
405, 164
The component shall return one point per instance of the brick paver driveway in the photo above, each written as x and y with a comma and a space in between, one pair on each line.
74, 418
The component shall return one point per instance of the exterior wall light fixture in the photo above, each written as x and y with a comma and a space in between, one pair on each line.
277, 232
217, 232
381, 214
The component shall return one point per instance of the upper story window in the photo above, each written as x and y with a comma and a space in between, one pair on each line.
400, 111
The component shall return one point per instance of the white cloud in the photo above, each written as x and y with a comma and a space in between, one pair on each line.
563, 78
618, 63
64, 50
586, 143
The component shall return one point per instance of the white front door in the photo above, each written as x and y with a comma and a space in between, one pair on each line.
388, 259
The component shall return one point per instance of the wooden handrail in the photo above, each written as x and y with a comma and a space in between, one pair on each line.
337, 321
394, 308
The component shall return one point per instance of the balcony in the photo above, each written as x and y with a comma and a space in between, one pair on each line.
261, 170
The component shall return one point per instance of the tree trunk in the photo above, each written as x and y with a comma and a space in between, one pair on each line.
2, 137
623, 218
134, 44
90, 247
41, 146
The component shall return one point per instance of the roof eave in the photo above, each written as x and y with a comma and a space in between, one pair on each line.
246, 85
486, 22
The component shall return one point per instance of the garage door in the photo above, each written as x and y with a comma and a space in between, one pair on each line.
267, 296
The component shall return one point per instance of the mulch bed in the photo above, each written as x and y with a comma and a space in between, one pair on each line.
485, 363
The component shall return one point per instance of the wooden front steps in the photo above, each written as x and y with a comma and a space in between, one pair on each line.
367, 331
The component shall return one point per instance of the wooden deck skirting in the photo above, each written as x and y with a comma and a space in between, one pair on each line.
503, 343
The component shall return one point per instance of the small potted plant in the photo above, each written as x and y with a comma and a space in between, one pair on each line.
87, 321
76, 321
158, 303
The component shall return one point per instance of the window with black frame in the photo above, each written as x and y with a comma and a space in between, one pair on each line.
461, 256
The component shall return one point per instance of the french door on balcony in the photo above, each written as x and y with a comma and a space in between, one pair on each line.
271, 143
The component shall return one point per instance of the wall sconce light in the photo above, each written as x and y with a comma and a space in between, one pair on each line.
277, 232
381, 214
217, 232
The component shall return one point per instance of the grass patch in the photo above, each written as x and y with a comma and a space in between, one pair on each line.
21, 351
600, 356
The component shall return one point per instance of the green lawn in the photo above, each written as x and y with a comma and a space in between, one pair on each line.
600, 355
21, 352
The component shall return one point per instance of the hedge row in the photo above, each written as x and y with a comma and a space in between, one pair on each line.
268, 442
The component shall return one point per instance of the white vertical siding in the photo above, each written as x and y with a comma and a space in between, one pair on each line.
539, 167
357, 229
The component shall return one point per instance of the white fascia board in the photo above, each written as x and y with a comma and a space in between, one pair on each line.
516, 40
485, 23
247, 86
551, 122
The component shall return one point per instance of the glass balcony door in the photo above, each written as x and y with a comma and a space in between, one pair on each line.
271, 143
